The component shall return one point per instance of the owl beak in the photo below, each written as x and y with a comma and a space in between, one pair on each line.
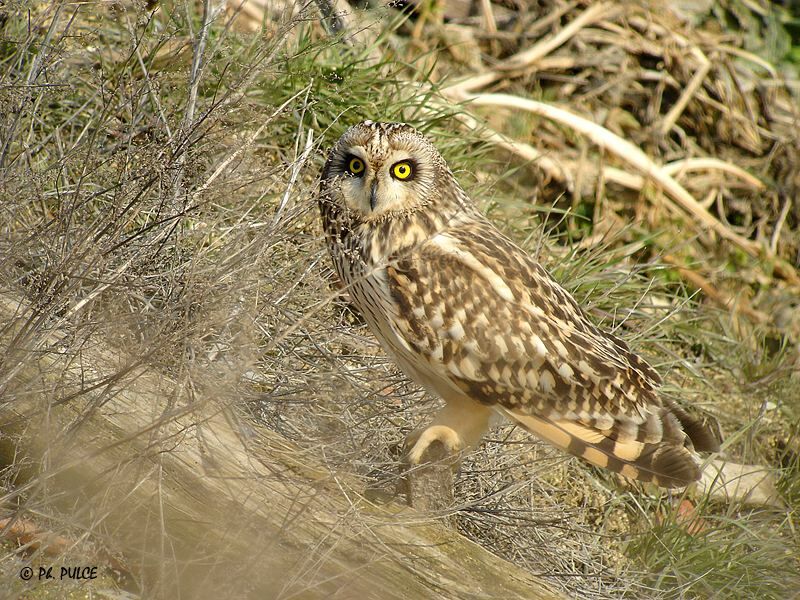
373, 195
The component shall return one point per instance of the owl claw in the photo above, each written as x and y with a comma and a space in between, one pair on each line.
421, 440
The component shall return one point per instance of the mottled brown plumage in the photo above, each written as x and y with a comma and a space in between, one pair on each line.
473, 318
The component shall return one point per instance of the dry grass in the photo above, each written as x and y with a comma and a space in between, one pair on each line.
158, 172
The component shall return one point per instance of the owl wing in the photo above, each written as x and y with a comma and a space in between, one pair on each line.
495, 325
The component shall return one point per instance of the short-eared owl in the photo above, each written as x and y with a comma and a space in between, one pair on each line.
471, 317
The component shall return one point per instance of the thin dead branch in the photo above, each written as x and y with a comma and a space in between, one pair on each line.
694, 84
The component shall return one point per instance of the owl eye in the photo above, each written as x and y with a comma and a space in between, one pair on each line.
355, 166
403, 170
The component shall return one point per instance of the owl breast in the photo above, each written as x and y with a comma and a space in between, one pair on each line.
361, 263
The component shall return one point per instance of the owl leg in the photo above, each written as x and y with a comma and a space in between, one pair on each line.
459, 425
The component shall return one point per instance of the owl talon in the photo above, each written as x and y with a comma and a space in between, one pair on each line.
421, 440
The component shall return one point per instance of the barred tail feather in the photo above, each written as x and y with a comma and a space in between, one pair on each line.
701, 435
662, 462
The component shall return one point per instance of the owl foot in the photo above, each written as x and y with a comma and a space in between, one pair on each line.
422, 444
433, 455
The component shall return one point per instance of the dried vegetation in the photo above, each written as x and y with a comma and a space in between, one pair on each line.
158, 166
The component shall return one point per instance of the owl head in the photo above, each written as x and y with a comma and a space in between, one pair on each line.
383, 169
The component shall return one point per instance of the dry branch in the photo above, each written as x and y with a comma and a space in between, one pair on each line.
697, 80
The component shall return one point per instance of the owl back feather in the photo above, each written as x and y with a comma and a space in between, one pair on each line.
508, 335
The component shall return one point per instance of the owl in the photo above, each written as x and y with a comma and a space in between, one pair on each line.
472, 318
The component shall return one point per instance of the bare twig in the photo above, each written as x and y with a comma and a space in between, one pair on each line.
188, 123
37, 67
712, 164
148, 82
776, 234
227, 496
297, 166
637, 182
249, 142
753, 58
197, 62
694, 84
488, 16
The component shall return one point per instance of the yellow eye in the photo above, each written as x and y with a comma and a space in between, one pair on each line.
355, 166
402, 170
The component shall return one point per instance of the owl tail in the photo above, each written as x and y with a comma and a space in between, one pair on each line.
661, 451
